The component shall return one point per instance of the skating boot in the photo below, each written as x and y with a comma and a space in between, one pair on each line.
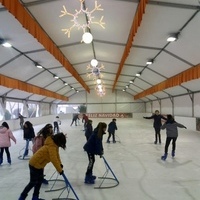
164, 157
9, 161
173, 154
89, 179
36, 198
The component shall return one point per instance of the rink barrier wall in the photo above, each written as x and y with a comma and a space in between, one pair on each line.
189, 122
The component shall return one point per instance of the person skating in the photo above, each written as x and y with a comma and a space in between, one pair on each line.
47, 153
157, 124
94, 147
112, 127
74, 119
172, 133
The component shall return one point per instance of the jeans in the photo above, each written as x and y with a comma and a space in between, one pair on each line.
113, 136
36, 178
26, 147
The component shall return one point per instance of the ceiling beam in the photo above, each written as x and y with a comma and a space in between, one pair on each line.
185, 76
20, 85
135, 25
29, 23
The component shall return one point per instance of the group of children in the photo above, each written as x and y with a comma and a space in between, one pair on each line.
46, 147
171, 127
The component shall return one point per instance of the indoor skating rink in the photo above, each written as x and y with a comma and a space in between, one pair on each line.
134, 159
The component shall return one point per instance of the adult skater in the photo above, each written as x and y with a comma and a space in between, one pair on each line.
112, 126
47, 153
94, 147
157, 124
172, 133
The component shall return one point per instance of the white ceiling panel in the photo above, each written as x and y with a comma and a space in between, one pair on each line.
161, 18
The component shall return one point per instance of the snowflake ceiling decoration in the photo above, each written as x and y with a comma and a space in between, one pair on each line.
95, 71
76, 17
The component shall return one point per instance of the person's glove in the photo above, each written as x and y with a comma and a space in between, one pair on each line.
62, 172
61, 165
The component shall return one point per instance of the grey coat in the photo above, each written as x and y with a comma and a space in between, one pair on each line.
171, 129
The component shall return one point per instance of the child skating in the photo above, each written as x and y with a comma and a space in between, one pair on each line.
172, 133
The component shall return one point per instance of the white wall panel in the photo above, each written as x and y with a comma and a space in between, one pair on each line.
166, 106
79, 97
183, 106
109, 97
108, 108
148, 107
197, 105
124, 97
124, 108
156, 106
94, 108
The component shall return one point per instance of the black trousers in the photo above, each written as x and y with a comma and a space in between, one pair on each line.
56, 127
157, 134
7, 152
167, 143
36, 177
91, 158
111, 134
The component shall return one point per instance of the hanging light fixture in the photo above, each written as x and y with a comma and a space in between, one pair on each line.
87, 37
98, 81
94, 62
84, 26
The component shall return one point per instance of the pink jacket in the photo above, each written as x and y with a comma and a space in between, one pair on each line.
5, 136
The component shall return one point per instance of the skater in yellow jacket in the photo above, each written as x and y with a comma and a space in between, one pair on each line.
47, 153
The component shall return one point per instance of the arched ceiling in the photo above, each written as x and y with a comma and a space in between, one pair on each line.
135, 31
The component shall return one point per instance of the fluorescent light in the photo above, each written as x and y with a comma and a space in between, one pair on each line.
149, 62
172, 38
138, 74
38, 66
131, 81
55, 76
6, 44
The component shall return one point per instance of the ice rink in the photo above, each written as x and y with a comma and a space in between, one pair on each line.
134, 159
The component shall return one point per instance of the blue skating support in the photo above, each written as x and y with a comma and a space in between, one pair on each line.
52, 189
104, 177
68, 188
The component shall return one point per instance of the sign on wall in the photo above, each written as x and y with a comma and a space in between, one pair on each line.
109, 115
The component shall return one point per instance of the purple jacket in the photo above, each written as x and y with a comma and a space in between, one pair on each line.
5, 136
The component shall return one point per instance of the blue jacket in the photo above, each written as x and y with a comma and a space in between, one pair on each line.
94, 144
89, 130
112, 127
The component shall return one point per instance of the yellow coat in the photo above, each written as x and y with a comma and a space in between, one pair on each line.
47, 153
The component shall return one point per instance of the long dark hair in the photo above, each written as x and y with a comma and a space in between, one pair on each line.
5, 124
60, 140
29, 124
45, 131
100, 127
